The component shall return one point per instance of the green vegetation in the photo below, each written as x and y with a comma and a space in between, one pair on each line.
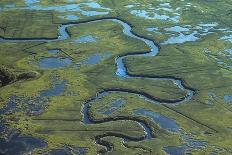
203, 64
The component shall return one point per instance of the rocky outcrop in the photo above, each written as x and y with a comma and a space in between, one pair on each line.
8, 76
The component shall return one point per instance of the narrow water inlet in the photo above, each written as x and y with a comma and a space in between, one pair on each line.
121, 72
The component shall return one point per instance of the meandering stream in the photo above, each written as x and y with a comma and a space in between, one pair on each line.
121, 72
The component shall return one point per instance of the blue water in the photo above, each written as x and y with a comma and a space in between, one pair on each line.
174, 150
54, 62
177, 29
163, 121
69, 17
147, 15
228, 98
93, 59
69, 151
86, 39
33, 5
96, 58
53, 51
18, 145
227, 38
182, 38
31, 2
112, 107
56, 90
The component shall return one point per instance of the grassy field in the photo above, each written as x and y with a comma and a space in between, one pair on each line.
195, 46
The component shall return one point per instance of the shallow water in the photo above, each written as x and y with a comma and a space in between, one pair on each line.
112, 107
53, 51
33, 5
163, 121
56, 90
227, 38
181, 38
87, 120
147, 15
174, 150
30, 2
69, 17
68, 151
96, 58
18, 145
121, 69
54, 62
86, 39
34, 105
177, 29
228, 98
163, 11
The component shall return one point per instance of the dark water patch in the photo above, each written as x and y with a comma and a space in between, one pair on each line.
87, 119
182, 38
68, 151
18, 145
163, 121
33, 105
92, 60
112, 107
56, 90
2, 127
96, 58
193, 143
175, 150
54, 62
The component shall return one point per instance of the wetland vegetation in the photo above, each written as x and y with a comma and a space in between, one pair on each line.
115, 77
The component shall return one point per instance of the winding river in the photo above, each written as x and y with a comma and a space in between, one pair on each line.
122, 73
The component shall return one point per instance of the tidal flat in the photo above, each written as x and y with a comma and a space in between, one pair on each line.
115, 77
